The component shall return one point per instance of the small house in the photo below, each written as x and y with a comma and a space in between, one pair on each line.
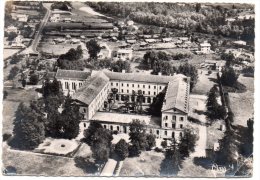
124, 54
12, 29
150, 40
165, 40
130, 23
22, 17
205, 47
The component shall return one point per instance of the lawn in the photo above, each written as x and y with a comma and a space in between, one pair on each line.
214, 133
9, 52
147, 164
10, 104
205, 82
28, 163
242, 104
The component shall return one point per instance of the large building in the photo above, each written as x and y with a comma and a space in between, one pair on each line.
91, 93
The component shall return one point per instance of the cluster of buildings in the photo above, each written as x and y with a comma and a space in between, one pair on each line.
91, 90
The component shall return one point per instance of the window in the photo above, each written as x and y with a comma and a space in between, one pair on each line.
181, 118
143, 86
173, 134
116, 84
117, 128
138, 85
127, 91
133, 85
180, 134
174, 126
111, 84
174, 118
151, 131
181, 126
127, 85
105, 126
154, 93
143, 99
157, 132
143, 92
160, 87
66, 85
84, 125
122, 90
122, 84
154, 87
166, 124
84, 110
149, 100
111, 128
149, 86
165, 133
149, 92
166, 117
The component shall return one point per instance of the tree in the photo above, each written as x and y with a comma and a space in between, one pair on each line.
89, 133
28, 128
13, 72
137, 137
24, 83
229, 77
198, 7
164, 144
212, 103
150, 138
70, 119
250, 135
139, 99
227, 149
156, 106
121, 149
172, 161
11, 36
34, 78
187, 143
15, 59
93, 48
5, 94
190, 71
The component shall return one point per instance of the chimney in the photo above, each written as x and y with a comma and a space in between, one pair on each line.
159, 73
123, 70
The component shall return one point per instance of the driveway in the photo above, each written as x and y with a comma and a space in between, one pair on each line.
109, 168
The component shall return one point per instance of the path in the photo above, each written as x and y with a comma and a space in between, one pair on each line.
202, 141
109, 168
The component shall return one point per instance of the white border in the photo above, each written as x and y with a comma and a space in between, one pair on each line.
256, 171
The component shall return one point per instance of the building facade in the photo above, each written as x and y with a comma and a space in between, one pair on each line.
92, 96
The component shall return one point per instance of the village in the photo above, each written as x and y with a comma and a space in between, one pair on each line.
96, 81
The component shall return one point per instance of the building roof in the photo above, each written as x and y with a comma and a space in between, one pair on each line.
205, 44
138, 78
91, 88
125, 51
72, 74
177, 94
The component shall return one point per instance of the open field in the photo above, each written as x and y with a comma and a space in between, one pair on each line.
242, 104
9, 52
10, 104
147, 164
214, 133
205, 82
28, 163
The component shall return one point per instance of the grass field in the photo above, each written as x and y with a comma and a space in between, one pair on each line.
10, 52
28, 163
10, 104
147, 164
242, 104
205, 82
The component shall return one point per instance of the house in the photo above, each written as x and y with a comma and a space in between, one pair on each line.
67, 19
131, 41
240, 42
130, 23
205, 47
166, 40
22, 17
12, 29
247, 16
115, 29
215, 65
55, 18
92, 97
124, 54
143, 44
150, 40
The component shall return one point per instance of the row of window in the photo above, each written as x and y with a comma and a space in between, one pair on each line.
134, 98
138, 85
174, 118
165, 133
144, 93
74, 85
174, 125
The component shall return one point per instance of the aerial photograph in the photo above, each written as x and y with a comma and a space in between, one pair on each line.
128, 89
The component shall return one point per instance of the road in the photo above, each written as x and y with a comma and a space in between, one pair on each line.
109, 168
32, 48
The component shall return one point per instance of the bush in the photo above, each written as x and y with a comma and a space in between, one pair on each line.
121, 149
34, 79
158, 149
164, 144
6, 136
